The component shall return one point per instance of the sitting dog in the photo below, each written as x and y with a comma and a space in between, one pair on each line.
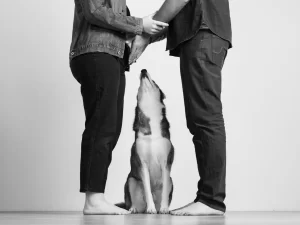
149, 187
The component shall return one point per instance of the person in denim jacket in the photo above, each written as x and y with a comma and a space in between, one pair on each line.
199, 33
98, 60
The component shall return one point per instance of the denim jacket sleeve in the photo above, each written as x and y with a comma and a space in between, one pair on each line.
105, 17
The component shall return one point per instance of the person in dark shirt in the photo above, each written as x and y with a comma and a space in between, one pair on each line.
199, 33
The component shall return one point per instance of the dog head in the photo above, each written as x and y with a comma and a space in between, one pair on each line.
150, 108
149, 92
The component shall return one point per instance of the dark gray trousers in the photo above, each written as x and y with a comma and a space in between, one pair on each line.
102, 79
201, 62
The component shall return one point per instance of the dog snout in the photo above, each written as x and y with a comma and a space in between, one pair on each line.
144, 73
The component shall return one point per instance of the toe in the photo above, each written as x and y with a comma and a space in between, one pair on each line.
125, 212
175, 213
180, 213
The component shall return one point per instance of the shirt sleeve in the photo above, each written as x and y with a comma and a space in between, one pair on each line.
169, 10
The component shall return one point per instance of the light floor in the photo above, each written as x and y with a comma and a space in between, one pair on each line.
76, 218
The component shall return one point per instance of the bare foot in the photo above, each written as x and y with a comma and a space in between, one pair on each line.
196, 209
95, 204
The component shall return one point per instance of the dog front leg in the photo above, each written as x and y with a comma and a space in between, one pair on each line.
167, 183
147, 188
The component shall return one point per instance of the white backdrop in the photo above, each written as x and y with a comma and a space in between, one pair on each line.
42, 116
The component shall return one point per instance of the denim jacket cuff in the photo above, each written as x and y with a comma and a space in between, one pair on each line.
139, 27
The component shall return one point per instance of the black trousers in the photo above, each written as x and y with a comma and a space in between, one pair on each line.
201, 62
102, 79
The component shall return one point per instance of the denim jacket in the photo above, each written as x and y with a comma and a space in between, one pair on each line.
101, 26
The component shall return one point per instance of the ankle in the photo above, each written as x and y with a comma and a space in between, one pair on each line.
93, 198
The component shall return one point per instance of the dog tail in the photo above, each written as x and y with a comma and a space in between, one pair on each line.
121, 205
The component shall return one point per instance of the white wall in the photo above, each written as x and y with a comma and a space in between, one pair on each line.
42, 115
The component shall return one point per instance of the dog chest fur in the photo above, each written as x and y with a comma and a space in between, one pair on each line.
154, 153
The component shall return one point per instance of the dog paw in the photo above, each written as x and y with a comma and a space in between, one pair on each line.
164, 211
133, 211
151, 211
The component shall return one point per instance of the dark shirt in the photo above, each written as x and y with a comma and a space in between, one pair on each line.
195, 15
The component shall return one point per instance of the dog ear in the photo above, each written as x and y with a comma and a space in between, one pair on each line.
162, 95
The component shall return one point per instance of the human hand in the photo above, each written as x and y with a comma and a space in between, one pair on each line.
129, 39
151, 26
138, 47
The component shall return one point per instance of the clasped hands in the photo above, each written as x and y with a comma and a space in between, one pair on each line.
140, 42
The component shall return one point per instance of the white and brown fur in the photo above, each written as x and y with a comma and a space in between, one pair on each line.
149, 186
